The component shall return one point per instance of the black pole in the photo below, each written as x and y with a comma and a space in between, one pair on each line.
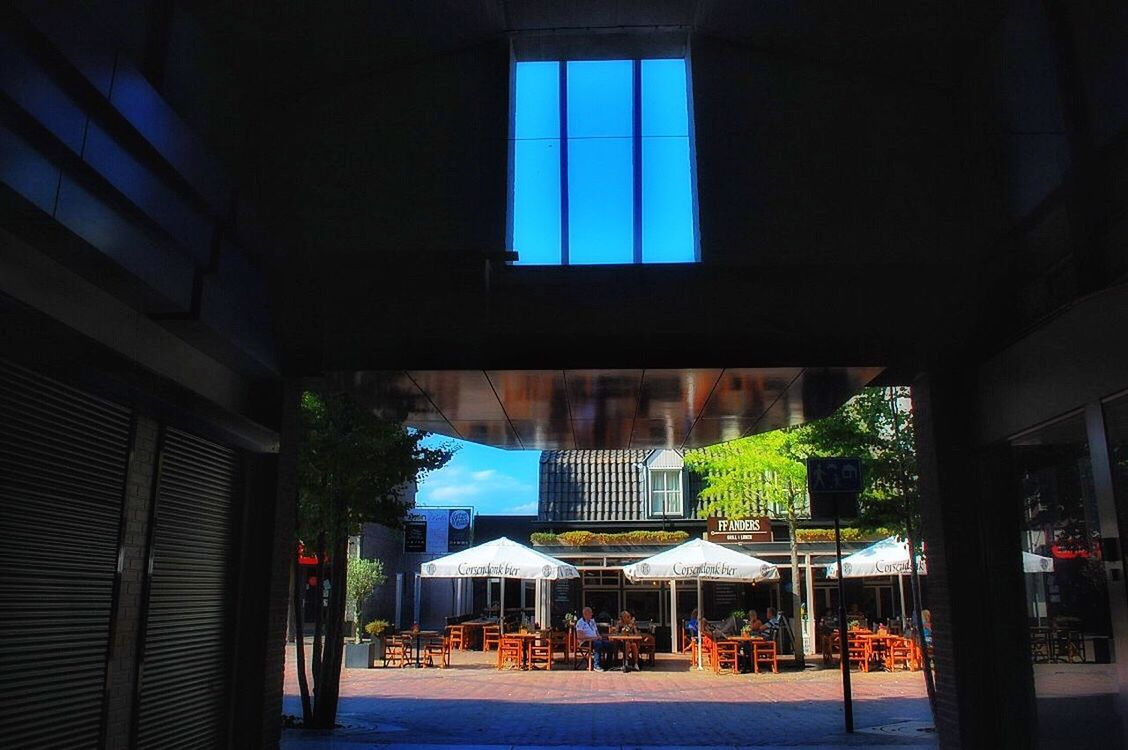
843, 640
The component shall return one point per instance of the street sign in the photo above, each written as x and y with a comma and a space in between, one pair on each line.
834, 475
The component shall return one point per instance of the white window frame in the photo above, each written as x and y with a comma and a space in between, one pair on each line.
666, 511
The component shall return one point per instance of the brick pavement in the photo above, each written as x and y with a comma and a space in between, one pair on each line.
473, 704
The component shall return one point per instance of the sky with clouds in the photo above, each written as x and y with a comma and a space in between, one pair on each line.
491, 480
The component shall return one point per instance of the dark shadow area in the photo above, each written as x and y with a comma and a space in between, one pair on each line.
1084, 721
570, 716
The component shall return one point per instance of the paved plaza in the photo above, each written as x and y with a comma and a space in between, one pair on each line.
471, 703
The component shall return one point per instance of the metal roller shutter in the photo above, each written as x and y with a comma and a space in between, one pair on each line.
63, 457
183, 699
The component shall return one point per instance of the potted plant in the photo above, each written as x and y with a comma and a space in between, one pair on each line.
362, 578
376, 629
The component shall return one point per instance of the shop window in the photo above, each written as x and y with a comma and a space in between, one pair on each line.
1067, 602
602, 163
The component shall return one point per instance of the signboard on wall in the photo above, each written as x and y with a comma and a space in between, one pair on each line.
438, 530
414, 536
739, 530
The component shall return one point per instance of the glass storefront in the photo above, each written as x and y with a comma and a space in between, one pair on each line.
1067, 602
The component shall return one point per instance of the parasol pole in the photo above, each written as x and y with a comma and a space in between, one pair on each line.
501, 611
701, 617
901, 588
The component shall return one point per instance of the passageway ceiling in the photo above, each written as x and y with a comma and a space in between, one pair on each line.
592, 409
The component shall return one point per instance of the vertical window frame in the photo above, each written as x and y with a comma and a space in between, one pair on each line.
637, 165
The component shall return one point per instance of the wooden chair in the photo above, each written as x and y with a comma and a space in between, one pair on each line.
831, 647
726, 656
541, 654
764, 652
510, 652
583, 654
558, 639
858, 652
491, 637
397, 651
900, 654
457, 635
437, 649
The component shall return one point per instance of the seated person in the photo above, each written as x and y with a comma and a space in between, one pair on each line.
772, 625
627, 626
587, 631
727, 626
754, 624
692, 625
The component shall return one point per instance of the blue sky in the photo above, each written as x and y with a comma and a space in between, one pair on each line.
491, 480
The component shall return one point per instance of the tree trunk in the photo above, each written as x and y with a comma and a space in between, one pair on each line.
328, 695
796, 599
914, 577
318, 617
299, 627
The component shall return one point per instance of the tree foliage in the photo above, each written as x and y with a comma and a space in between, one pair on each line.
361, 579
877, 427
353, 468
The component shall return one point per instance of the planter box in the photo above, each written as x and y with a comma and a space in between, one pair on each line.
359, 655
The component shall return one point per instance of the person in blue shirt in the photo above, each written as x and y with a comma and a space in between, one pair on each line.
587, 631
691, 626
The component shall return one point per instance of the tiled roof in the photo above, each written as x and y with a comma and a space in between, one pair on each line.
604, 485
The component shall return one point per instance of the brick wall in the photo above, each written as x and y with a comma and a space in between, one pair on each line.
984, 682
121, 673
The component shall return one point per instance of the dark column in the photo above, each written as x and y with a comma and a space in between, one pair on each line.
266, 559
972, 518
121, 668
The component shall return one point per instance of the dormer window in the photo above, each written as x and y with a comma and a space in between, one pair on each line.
666, 492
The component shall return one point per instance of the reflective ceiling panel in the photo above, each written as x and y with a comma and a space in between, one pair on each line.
460, 395
677, 395
603, 394
712, 431
748, 392
531, 394
604, 409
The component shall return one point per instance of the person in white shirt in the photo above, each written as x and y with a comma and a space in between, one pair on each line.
587, 631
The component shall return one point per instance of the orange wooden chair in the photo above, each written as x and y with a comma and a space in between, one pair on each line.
437, 651
764, 652
510, 652
541, 654
726, 655
858, 652
491, 637
397, 651
582, 654
558, 639
900, 654
457, 635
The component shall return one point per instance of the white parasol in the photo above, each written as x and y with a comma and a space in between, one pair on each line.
502, 558
699, 560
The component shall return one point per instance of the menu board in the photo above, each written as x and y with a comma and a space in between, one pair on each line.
438, 531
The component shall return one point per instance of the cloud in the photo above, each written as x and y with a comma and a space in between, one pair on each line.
487, 489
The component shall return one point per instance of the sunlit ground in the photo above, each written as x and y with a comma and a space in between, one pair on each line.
471, 703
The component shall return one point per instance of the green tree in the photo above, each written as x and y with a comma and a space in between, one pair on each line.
759, 475
362, 578
352, 469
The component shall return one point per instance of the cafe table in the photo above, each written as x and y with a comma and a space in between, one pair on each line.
618, 638
527, 640
476, 626
753, 641
878, 642
418, 637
